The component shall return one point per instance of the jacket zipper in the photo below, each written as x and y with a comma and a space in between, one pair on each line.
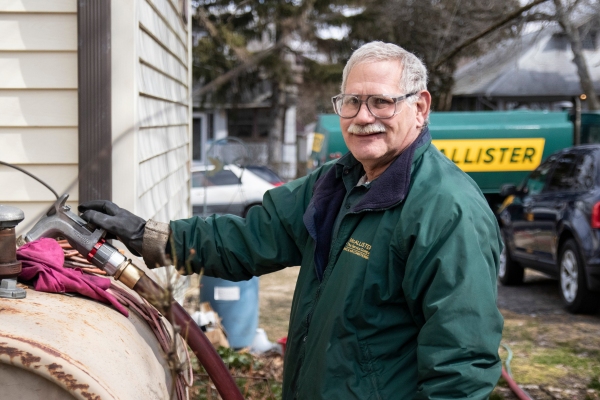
318, 294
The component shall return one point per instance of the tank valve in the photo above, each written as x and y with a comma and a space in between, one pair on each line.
10, 267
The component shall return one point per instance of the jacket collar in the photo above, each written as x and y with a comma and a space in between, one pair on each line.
329, 192
391, 187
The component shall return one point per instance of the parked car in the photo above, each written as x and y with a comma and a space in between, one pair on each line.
551, 223
230, 189
266, 173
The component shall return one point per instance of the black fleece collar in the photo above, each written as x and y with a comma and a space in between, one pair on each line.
329, 192
391, 187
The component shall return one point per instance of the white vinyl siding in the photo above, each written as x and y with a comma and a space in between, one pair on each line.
153, 54
163, 138
45, 6
38, 103
31, 107
158, 27
39, 145
38, 31
157, 84
22, 186
21, 70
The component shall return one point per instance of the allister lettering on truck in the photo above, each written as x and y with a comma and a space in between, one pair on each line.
490, 155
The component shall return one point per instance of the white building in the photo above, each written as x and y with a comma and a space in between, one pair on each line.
94, 100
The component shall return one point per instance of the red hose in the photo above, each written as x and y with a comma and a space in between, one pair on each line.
195, 338
514, 387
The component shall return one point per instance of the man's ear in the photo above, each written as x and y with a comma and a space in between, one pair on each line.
423, 106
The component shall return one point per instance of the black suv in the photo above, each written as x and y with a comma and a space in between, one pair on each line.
551, 223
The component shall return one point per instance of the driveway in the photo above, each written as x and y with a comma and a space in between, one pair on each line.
549, 344
538, 296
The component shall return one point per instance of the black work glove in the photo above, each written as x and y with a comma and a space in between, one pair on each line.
119, 223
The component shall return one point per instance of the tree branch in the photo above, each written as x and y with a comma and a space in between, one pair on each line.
241, 53
249, 60
487, 31
579, 60
229, 75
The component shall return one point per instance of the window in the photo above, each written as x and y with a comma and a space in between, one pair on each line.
559, 41
249, 123
584, 174
265, 173
537, 180
562, 178
211, 178
588, 41
210, 126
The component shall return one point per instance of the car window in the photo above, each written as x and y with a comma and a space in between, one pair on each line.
222, 177
265, 173
562, 178
537, 180
211, 178
584, 173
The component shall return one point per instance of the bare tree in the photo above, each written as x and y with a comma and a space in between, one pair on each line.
431, 28
563, 11
226, 68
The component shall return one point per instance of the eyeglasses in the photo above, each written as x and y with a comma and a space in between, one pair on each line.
379, 105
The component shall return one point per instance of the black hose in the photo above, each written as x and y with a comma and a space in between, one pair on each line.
31, 175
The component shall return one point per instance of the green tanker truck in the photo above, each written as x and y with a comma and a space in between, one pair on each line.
494, 148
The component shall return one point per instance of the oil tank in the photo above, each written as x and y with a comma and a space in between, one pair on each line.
57, 346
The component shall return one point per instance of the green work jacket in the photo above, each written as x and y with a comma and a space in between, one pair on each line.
401, 304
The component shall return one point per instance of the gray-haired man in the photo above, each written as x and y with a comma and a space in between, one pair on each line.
398, 251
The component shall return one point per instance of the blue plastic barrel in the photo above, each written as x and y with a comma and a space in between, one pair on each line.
237, 305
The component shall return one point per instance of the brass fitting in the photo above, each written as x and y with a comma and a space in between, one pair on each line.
129, 274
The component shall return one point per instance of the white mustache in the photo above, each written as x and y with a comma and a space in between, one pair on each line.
363, 129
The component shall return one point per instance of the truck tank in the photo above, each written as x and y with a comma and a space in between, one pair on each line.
494, 148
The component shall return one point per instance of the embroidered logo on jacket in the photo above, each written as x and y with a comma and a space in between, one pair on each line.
358, 248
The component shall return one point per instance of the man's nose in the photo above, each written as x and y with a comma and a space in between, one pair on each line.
364, 116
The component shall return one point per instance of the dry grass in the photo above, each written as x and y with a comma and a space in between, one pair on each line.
275, 294
556, 355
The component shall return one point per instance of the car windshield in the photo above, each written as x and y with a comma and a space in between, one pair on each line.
266, 174
214, 178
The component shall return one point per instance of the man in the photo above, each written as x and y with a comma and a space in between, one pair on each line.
396, 295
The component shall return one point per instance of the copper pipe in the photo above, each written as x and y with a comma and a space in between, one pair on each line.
193, 335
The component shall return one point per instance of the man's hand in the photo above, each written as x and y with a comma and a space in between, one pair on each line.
118, 222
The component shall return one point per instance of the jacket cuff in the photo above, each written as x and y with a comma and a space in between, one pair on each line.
156, 237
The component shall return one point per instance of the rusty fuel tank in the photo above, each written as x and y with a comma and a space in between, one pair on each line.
56, 346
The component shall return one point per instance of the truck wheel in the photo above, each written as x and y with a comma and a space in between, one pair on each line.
573, 288
510, 273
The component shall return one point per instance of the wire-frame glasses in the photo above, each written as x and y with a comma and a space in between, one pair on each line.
380, 105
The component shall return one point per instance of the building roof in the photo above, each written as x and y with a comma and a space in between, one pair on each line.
537, 64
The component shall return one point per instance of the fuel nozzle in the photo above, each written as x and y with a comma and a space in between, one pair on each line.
60, 221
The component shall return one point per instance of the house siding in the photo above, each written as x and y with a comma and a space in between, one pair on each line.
163, 136
38, 99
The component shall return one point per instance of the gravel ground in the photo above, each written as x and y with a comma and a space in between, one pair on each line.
276, 292
538, 296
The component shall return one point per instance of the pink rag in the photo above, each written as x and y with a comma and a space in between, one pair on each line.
42, 262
